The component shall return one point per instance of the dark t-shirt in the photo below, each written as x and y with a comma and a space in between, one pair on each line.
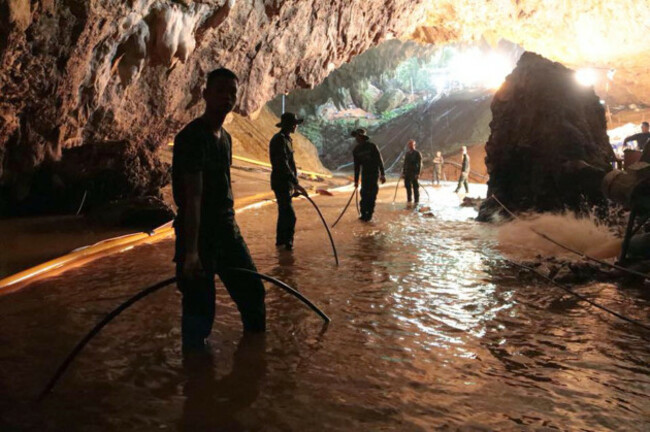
412, 163
640, 138
198, 150
465, 164
284, 173
367, 162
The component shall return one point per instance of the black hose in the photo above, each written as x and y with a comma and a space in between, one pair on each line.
107, 319
288, 289
83, 200
146, 292
327, 228
345, 208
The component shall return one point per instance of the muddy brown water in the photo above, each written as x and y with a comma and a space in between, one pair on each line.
431, 330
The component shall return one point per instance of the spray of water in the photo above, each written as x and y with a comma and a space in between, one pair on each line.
518, 240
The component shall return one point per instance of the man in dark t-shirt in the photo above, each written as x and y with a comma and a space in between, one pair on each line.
284, 178
208, 240
369, 164
640, 138
411, 172
464, 172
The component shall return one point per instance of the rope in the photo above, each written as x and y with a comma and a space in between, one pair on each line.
472, 172
580, 296
83, 200
396, 186
577, 252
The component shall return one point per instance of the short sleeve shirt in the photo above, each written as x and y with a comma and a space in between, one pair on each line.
198, 150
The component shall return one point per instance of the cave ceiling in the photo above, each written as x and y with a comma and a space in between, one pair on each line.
75, 71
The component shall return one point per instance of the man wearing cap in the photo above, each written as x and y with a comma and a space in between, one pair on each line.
411, 172
369, 163
284, 178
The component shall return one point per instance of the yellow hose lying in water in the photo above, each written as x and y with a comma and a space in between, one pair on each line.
82, 256
108, 247
104, 248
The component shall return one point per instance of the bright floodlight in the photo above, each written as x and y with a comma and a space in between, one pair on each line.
474, 68
586, 77
495, 70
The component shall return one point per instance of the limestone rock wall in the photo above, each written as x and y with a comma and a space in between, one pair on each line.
75, 71
91, 71
548, 148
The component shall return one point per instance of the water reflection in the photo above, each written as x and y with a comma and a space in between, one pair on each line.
431, 330
215, 404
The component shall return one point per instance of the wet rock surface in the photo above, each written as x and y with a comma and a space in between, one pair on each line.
548, 148
145, 213
89, 176
78, 72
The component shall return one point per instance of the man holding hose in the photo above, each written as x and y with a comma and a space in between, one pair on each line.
369, 164
208, 240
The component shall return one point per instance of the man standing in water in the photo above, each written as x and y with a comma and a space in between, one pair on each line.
411, 172
284, 178
464, 172
368, 163
208, 240
438, 163
640, 138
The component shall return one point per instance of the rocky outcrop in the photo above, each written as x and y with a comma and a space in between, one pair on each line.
347, 84
548, 148
390, 100
251, 138
89, 176
89, 71
602, 34
74, 72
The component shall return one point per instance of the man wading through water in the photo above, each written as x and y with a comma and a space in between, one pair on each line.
464, 172
208, 240
284, 178
411, 172
368, 163
438, 163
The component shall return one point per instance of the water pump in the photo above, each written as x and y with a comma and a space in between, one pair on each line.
631, 188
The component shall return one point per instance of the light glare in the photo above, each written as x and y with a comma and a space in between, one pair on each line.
586, 77
474, 68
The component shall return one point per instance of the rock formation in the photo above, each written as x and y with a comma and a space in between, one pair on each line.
548, 147
74, 72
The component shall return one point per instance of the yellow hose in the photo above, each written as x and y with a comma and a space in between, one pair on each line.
268, 165
104, 248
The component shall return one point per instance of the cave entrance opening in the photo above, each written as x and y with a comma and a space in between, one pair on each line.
401, 90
